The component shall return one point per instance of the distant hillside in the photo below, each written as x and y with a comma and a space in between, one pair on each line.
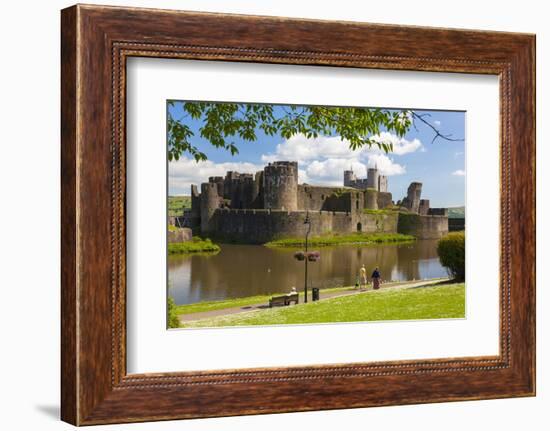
176, 204
456, 212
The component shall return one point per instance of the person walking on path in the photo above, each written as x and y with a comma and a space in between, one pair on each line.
363, 277
376, 279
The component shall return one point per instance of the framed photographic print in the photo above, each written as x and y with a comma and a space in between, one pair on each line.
258, 208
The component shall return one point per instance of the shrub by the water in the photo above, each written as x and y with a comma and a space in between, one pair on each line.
451, 251
173, 321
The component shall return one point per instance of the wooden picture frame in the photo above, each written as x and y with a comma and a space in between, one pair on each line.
95, 43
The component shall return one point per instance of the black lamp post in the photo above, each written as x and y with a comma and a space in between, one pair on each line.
308, 222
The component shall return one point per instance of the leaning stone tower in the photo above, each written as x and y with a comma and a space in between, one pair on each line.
281, 186
412, 201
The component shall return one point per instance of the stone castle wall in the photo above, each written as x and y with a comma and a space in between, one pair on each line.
260, 226
456, 224
270, 204
378, 223
384, 200
423, 226
314, 198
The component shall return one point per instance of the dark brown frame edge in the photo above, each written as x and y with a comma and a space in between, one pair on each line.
95, 43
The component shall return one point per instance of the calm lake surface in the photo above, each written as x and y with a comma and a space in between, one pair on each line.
247, 270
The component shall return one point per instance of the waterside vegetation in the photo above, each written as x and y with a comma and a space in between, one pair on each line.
452, 254
196, 245
340, 239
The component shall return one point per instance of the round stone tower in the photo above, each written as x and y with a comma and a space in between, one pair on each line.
371, 199
281, 186
372, 178
210, 201
349, 178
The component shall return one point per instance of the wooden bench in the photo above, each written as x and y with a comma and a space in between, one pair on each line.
283, 300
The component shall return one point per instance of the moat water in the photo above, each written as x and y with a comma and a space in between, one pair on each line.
247, 270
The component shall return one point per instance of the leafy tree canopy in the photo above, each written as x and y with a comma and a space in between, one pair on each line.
222, 122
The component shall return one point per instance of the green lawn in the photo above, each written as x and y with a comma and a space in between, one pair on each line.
335, 239
431, 302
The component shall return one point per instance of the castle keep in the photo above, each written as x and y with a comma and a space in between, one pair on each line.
271, 204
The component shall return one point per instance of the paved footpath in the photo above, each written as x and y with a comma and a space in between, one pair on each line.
351, 291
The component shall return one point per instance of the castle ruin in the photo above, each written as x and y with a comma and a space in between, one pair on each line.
271, 204
373, 181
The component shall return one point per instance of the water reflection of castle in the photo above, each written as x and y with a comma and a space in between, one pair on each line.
270, 204
244, 270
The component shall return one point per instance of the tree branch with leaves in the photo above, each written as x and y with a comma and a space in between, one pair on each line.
222, 123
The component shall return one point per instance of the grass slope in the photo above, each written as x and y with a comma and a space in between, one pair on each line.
457, 212
431, 302
176, 204
336, 239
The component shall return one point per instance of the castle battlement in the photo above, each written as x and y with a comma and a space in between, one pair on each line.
374, 180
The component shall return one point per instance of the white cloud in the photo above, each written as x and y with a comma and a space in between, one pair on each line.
330, 171
437, 123
302, 149
400, 145
459, 173
321, 161
385, 165
185, 172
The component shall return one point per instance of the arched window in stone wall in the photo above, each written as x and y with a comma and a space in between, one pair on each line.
359, 227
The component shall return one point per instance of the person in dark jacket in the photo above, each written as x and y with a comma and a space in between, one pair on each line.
376, 279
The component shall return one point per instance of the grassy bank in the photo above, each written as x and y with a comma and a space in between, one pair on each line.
196, 245
379, 212
335, 239
431, 302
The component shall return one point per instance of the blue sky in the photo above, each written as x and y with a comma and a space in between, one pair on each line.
439, 166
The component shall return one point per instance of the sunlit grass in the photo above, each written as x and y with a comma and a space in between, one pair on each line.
430, 302
335, 239
200, 307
